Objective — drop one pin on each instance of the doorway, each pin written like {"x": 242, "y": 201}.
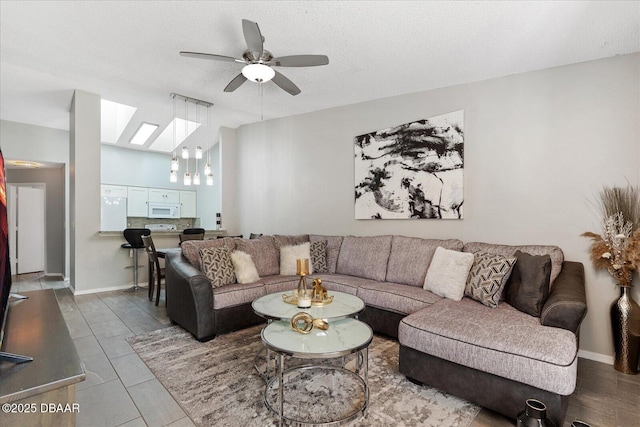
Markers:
{"x": 27, "y": 227}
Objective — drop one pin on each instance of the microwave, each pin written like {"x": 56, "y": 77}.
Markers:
{"x": 164, "y": 210}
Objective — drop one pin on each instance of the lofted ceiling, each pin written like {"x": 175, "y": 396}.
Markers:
{"x": 127, "y": 51}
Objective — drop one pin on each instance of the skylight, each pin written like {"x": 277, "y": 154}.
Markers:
{"x": 143, "y": 133}
{"x": 114, "y": 119}
{"x": 164, "y": 142}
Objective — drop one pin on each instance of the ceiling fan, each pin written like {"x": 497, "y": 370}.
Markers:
{"x": 259, "y": 61}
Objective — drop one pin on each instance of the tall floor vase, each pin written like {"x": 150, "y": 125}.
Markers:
{"x": 625, "y": 322}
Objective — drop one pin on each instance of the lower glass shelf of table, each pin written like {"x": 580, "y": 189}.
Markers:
{"x": 327, "y": 380}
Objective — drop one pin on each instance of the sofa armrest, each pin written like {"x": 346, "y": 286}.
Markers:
{"x": 567, "y": 303}
{"x": 189, "y": 296}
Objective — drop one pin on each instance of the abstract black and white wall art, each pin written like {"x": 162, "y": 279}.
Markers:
{"x": 414, "y": 170}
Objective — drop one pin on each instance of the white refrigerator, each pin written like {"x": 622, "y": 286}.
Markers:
{"x": 113, "y": 213}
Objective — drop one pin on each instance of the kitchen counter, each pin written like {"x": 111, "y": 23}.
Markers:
{"x": 207, "y": 233}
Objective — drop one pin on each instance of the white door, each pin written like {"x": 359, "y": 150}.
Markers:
{"x": 30, "y": 225}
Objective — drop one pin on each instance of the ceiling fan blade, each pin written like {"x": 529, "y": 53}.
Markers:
{"x": 210, "y": 56}
{"x": 300, "y": 61}
{"x": 235, "y": 83}
{"x": 252, "y": 36}
{"x": 286, "y": 84}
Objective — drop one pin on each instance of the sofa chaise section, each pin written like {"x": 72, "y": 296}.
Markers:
{"x": 499, "y": 357}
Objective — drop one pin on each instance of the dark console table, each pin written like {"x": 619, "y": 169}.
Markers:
{"x": 41, "y": 392}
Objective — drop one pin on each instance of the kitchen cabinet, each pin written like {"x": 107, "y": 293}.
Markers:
{"x": 163, "y": 195}
{"x": 187, "y": 204}
{"x": 137, "y": 201}
{"x": 107, "y": 190}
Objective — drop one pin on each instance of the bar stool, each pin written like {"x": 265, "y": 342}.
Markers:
{"x": 156, "y": 273}
{"x": 191, "y": 234}
{"x": 133, "y": 236}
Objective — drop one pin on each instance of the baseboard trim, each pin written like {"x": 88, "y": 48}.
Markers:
{"x": 98, "y": 290}
{"x": 597, "y": 357}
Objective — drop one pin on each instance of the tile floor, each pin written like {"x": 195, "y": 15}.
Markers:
{"x": 121, "y": 391}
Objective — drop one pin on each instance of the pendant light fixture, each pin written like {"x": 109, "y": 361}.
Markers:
{"x": 185, "y": 149}
{"x": 207, "y": 168}
{"x": 173, "y": 175}
{"x": 196, "y": 174}
{"x": 189, "y": 178}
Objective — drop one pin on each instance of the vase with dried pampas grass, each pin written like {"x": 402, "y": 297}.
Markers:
{"x": 617, "y": 249}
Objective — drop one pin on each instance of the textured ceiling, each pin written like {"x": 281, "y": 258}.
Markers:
{"x": 127, "y": 51}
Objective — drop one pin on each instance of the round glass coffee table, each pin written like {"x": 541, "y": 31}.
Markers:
{"x": 272, "y": 307}
{"x": 322, "y": 394}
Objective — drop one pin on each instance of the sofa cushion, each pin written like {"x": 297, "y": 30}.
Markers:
{"x": 341, "y": 282}
{"x": 217, "y": 266}
{"x": 243, "y": 267}
{"x": 333, "y": 249}
{"x": 284, "y": 284}
{"x": 289, "y": 255}
{"x": 364, "y": 257}
{"x": 557, "y": 257}
{"x": 501, "y": 341}
{"x": 395, "y": 297}
{"x": 264, "y": 254}
{"x": 286, "y": 240}
{"x": 318, "y": 252}
{"x": 487, "y": 277}
{"x": 447, "y": 274}
{"x": 410, "y": 258}
{"x": 191, "y": 248}
{"x": 529, "y": 287}
{"x": 237, "y": 294}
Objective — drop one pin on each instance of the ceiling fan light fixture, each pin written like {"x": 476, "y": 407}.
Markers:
{"x": 258, "y": 73}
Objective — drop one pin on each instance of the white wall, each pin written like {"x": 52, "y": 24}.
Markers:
{"x": 538, "y": 146}
{"x": 35, "y": 143}
{"x": 229, "y": 177}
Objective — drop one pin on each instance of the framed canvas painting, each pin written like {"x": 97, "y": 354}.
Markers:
{"x": 411, "y": 171}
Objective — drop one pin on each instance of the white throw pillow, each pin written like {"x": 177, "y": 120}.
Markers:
{"x": 244, "y": 267}
{"x": 290, "y": 254}
{"x": 447, "y": 273}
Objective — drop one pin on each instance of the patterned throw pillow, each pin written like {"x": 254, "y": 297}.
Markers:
{"x": 489, "y": 273}
{"x": 217, "y": 266}
{"x": 319, "y": 256}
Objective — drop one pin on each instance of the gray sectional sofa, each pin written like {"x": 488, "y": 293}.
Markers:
{"x": 497, "y": 357}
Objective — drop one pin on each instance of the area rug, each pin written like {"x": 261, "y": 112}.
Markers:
{"x": 216, "y": 383}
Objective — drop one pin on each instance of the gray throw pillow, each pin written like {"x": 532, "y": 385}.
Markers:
{"x": 488, "y": 276}
{"x": 528, "y": 288}
{"x": 319, "y": 256}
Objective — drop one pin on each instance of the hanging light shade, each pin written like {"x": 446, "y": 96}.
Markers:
{"x": 209, "y": 179}
{"x": 196, "y": 178}
{"x": 198, "y": 152}
{"x": 187, "y": 179}
{"x": 173, "y": 175}
{"x": 185, "y": 152}
{"x": 258, "y": 73}
{"x": 207, "y": 169}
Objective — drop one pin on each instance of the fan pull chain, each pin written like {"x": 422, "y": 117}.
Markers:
{"x": 261, "y": 102}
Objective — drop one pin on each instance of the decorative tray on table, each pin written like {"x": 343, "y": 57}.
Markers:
{"x": 319, "y": 295}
